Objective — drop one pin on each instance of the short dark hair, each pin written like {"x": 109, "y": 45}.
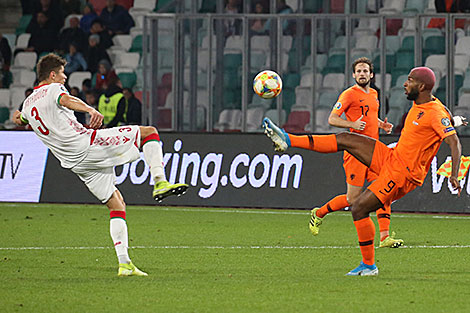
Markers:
{"x": 363, "y": 60}
{"x": 48, "y": 63}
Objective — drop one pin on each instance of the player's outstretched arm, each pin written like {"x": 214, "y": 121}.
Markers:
{"x": 76, "y": 104}
{"x": 385, "y": 125}
{"x": 456, "y": 151}
{"x": 18, "y": 119}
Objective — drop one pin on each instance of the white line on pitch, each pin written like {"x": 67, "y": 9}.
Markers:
{"x": 228, "y": 247}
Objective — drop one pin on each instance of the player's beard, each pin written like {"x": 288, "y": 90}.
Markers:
{"x": 363, "y": 84}
{"x": 413, "y": 94}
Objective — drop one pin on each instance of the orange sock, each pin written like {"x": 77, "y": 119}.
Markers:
{"x": 335, "y": 204}
{"x": 383, "y": 218}
{"x": 365, "y": 232}
{"x": 319, "y": 143}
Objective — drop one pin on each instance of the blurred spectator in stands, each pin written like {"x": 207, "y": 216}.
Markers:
{"x": 94, "y": 54}
{"x": 105, "y": 75}
{"x": 257, "y": 25}
{"x": 6, "y": 77}
{"x": 134, "y": 108}
{"x": 449, "y": 6}
{"x": 282, "y": 8}
{"x": 75, "y": 60}
{"x": 51, "y": 8}
{"x": 86, "y": 86}
{"x": 70, "y": 7}
{"x": 232, "y": 26}
{"x": 116, "y": 18}
{"x": 72, "y": 34}
{"x": 89, "y": 16}
{"x": 5, "y": 52}
{"x": 112, "y": 104}
{"x": 97, "y": 28}
{"x": 91, "y": 98}
{"x": 27, "y": 7}
{"x": 44, "y": 36}
{"x": 81, "y": 116}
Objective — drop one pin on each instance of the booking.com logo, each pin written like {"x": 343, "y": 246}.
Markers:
{"x": 208, "y": 169}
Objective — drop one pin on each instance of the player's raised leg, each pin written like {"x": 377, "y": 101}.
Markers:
{"x": 153, "y": 154}
{"x": 118, "y": 231}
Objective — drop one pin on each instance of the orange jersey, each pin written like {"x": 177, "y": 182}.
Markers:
{"x": 354, "y": 102}
{"x": 426, "y": 126}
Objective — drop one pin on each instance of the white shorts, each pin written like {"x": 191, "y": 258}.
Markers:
{"x": 111, "y": 147}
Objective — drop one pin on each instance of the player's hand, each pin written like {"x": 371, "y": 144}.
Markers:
{"x": 387, "y": 126}
{"x": 455, "y": 184}
{"x": 359, "y": 124}
{"x": 460, "y": 121}
{"x": 96, "y": 119}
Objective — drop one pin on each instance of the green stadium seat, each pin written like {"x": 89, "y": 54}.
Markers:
{"x": 128, "y": 80}
{"x": 312, "y": 6}
{"x": 335, "y": 64}
{"x": 434, "y": 45}
{"x": 408, "y": 44}
{"x": 208, "y": 6}
{"x": 390, "y": 62}
{"x": 23, "y": 24}
{"x": 162, "y": 4}
{"x": 4, "y": 114}
{"x": 291, "y": 80}
{"x": 232, "y": 61}
{"x": 136, "y": 44}
{"x": 288, "y": 98}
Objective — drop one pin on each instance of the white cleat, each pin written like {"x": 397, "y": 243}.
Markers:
{"x": 278, "y": 136}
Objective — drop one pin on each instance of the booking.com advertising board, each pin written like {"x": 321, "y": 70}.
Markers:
{"x": 226, "y": 170}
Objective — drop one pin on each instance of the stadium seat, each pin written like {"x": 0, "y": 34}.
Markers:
{"x": 273, "y": 115}
{"x": 296, "y": 121}
{"x": 11, "y": 40}
{"x": 333, "y": 81}
{"x": 24, "y": 77}
{"x": 434, "y": 45}
{"x": 438, "y": 62}
{"x": 4, "y": 115}
{"x": 234, "y": 44}
{"x": 321, "y": 119}
{"x": 303, "y": 96}
{"x": 367, "y": 43}
{"x": 307, "y": 80}
{"x": 164, "y": 118}
{"x": 76, "y": 79}
{"x": 229, "y": 119}
{"x": 200, "y": 118}
{"x": 259, "y": 43}
{"x": 327, "y": 99}
{"x": 254, "y": 117}
{"x": 258, "y": 101}
{"x": 22, "y": 41}
{"x": 388, "y": 81}
{"x": 127, "y": 60}
{"x": 4, "y": 97}
{"x": 392, "y": 7}
{"x": 23, "y": 24}
{"x": 335, "y": 64}
{"x": 464, "y": 100}
{"x": 407, "y": 44}
{"x": 414, "y": 6}
{"x": 321, "y": 60}
{"x": 389, "y": 59}
{"x": 122, "y": 42}
{"x": 16, "y": 96}
{"x": 463, "y": 45}
{"x": 136, "y": 45}
{"x": 25, "y": 60}
{"x": 142, "y": 5}
{"x": 128, "y": 79}
{"x": 310, "y": 6}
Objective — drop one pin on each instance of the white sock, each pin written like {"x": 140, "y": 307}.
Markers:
{"x": 153, "y": 155}
{"x": 118, "y": 231}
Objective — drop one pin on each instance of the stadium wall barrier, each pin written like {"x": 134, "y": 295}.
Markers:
{"x": 227, "y": 170}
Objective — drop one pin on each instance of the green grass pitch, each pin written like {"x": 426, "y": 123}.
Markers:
{"x": 59, "y": 258}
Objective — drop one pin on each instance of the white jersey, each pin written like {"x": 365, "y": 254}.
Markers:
{"x": 56, "y": 125}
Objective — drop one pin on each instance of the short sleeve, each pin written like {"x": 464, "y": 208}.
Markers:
{"x": 342, "y": 104}
{"x": 442, "y": 124}
{"x": 57, "y": 91}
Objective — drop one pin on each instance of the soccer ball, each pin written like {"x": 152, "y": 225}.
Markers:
{"x": 267, "y": 84}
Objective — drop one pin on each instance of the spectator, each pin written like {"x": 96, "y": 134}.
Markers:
{"x": 5, "y": 52}
{"x": 116, "y": 19}
{"x": 6, "y": 77}
{"x": 72, "y": 34}
{"x": 257, "y": 25}
{"x": 81, "y": 116}
{"x": 75, "y": 60}
{"x": 232, "y": 26}
{"x": 449, "y": 6}
{"x": 44, "y": 36}
{"x": 51, "y": 8}
{"x": 97, "y": 28}
{"x": 105, "y": 75}
{"x": 70, "y": 6}
{"x": 91, "y": 98}
{"x": 86, "y": 86}
{"x": 112, "y": 104}
{"x": 27, "y": 7}
{"x": 282, "y": 8}
{"x": 94, "y": 54}
{"x": 134, "y": 107}
{"x": 89, "y": 16}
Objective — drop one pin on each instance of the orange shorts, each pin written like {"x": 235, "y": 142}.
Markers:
{"x": 356, "y": 172}
{"x": 392, "y": 182}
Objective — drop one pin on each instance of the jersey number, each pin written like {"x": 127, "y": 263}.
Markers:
{"x": 365, "y": 110}
{"x": 389, "y": 187}
{"x": 43, "y": 129}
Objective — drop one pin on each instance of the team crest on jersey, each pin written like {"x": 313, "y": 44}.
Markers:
{"x": 445, "y": 121}
{"x": 420, "y": 115}
{"x": 338, "y": 105}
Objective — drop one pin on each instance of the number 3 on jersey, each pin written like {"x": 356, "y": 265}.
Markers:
{"x": 43, "y": 129}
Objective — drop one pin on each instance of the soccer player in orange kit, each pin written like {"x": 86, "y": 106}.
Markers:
{"x": 360, "y": 105}
{"x": 400, "y": 169}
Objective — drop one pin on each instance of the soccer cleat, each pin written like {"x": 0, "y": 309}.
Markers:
{"x": 279, "y": 136}
{"x": 315, "y": 222}
{"x": 391, "y": 242}
{"x": 129, "y": 269}
{"x": 364, "y": 270}
{"x": 163, "y": 189}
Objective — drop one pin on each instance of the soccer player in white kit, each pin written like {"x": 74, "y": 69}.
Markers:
{"x": 93, "y": 153}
